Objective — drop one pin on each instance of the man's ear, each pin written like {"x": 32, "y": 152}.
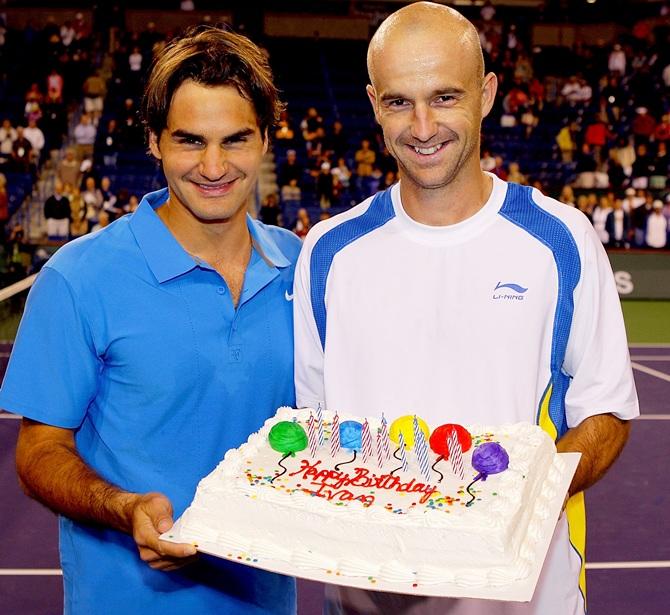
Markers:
{"x": 372, "y": 95}
{"x": 153, "y": 146}
{"x": 489, "y": 90}
{"x": 266, "y": 141}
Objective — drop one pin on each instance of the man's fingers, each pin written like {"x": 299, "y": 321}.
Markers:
{"x": 167, "y": 551}
{"x": 167, "y": 565}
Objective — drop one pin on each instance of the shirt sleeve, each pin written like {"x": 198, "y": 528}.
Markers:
{"x": 597, "y": 355}
{"x": 309, "y": 355}
{"x": 53, "y": 369}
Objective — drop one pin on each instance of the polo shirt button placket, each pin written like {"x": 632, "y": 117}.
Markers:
{"x": 221, "y": 290}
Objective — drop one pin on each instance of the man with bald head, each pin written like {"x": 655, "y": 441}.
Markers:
{"x": 459, "y": 297}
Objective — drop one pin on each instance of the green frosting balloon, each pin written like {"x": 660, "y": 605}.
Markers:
{"x": 287, "y": 437}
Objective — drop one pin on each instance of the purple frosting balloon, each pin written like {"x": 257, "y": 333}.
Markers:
{"x": 490, "y": 458}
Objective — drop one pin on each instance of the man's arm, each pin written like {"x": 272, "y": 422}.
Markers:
{"x": 51, "y": 471}
{"x": 600, "y": 439}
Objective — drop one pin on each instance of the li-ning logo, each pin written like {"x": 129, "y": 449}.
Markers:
{"x": 516, "y": 293}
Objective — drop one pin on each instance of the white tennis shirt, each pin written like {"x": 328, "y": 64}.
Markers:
{"x": 511, "y": 315}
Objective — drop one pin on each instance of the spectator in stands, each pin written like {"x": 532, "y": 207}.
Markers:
{"x": 34, "y": 100}
{"x": 656, "y": 233}
{"x": 616, "y": 62}
{"x": 624, "y": 154}
{"x": 310, "y": 125}
{"x": 499, "y": 169}
{"x": 109, "y": 199}
{"x": 638, "y": 219}
{"x": 342, "y": 174}
{"x": 19, "y": 254}
{"x": 284, "y": 133}
{"x": 55, "y": 86}
{"x": 34, "y": 134}
{"x": 661, "y": 168}
{"x": 388, "y": 180}
{"x": 133, "y": 203}
{"x": 567, "y": 196}
{"x": 84, "y": 136}
{"x": 617, "y": 226}
{"x": 529, "y": 119}
{"x": 515, "y": 175}
{"x": 643, "y": 125}
{"x": 269, "y": 212}
{"x": 599, "y": 218}
{"x": 143, "y": 294}
{"x": 365, "y": 158}
{"x": 67, "y": 33}
{"x": 566, "y": 141}
{"x": 583, "y": 205}
{"x": 325, "y": 186}
{"x": 487, "y": 161}
{"x": 302, "y": 224}
{"x": 78, "y": 222}
{"x": 22, "y": 153}
{"x": 290, "y": 169}
{"x": 316, "y": 148}
{"x": 576, "y": 91}
{"x": 109, "y": 144}
{"x": 92, "y": 198}
{"x": 7, "y": 137}
{"x": 103, "y": 221}
{"x": 612, "y": 99}
{"x": 597, "y": 135}
{"x": 643, "y": 167}
{"x": 291, "y": 193}
{"x": 54, "y": 124}
{"x": 585, "y": 168}
{"x": 662, "y": 130}
{"x": 131, "y": 131}
{"x": 135, "y": 69}
{"x": 68, "y": 170}
{"x": 94, "y": 90}
{"x": 57, "y": 213}
{"x": 336, "y": 143}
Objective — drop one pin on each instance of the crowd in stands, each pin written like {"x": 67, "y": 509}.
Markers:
{"x": 589, "y": 125}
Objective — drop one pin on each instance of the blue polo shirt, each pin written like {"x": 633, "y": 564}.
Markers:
{"x": 138, "y": 348}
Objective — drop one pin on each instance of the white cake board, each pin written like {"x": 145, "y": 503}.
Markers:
{"x": 517, "y": 591}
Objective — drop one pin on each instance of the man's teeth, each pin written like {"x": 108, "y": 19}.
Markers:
{"x": 426, "y": 151}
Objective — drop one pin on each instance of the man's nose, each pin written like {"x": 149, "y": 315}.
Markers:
{"x": 424, "y": 126}
{"x": 213, "y": 163}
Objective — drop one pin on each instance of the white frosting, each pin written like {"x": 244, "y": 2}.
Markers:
{"x": 395, "y": 537}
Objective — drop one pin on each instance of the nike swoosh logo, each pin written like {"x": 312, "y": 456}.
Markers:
{"x": 287, "y": 296}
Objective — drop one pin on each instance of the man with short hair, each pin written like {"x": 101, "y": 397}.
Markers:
{"x": 460, "y": 297}
{"x": 151, "y": 347}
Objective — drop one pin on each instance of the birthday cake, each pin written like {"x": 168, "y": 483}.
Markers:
{"x": 359, "y": 498}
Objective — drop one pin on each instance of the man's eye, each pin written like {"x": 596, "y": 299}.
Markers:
{"x": 397, "y": 102}
{"x": 188, "y": 141}
{"x": 445, "y": 98}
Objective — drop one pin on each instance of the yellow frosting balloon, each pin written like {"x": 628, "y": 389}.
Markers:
{"x": 405, "y": 424}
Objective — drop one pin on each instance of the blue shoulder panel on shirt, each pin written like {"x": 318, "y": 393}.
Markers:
{"x": 330, "y": 243}
{"x": 520, "y": 209}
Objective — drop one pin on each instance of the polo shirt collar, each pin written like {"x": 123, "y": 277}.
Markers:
{"x": 265, "y": 244}
{"x": 165, "y": 256}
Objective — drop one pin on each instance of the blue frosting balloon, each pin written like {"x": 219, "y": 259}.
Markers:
{"x": 490, "y": 458}
{"x": 350, "y": 435}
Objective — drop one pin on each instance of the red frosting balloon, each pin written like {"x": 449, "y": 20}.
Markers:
{"x": 438, "y": 439}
